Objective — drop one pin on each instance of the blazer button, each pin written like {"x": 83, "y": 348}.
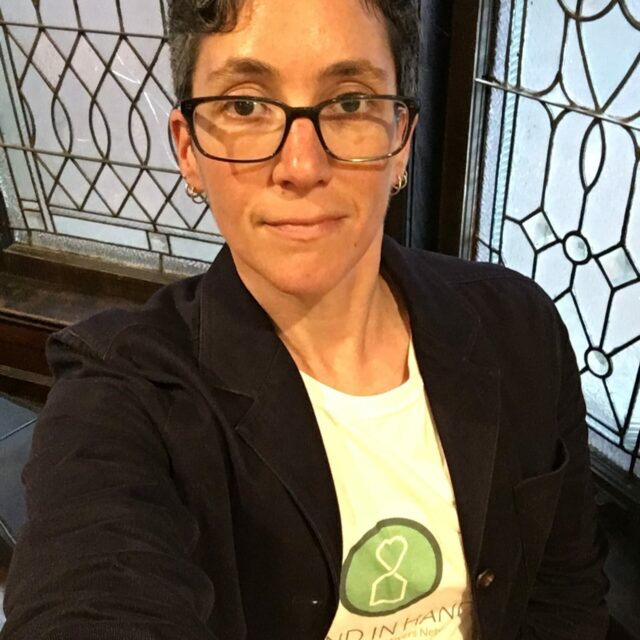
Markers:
{"x": 485, "y": 579}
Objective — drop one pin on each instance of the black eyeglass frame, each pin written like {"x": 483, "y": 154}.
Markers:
{"x": 188, "y": 107}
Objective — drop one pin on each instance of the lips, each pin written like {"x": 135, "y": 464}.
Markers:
{"x": 304, "y": 228}
{"x": 301, "y": 222}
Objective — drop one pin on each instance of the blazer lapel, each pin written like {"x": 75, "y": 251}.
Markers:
{"x": 464, "y": 395}
{"x": 465, "y": 404}
{"x": 245, "y": 357}
{"x": 282, "y": 429}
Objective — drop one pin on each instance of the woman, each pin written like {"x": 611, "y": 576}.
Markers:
{"x": 326, "y": 436}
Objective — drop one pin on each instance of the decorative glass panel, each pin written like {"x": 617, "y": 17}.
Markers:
{"x": 86, "y": 159}
{"x": 559, "y": 198}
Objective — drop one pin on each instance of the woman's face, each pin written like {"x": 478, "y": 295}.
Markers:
{"x": 301, "y": 222}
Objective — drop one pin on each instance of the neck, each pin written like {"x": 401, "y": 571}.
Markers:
{"x": 354, "y": 337}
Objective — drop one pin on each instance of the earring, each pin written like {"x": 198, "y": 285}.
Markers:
{"x": 195, "y": 196}
{"x": 402, "y": 182}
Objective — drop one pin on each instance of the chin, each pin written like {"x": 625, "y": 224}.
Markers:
{"x": 303, "y": 284}
{"x": 305, "y": 272}
{"x": 303, "y": 276}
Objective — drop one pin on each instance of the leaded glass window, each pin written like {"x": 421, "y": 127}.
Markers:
{"x": 86, "y": 160}
{"x": 558, "y": 197}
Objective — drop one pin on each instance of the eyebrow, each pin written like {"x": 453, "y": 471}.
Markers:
{"x": 235, "y": 67}
{"x": 251, "y": 67}
{"x": 358, "y": 68}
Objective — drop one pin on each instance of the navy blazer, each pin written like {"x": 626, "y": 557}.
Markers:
{"x": 178, "y": 486}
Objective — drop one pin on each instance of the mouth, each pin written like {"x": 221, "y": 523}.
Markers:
{"x": 304, "y": 228}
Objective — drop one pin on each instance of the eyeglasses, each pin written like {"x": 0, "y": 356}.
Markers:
{"x": 352, "y": 128}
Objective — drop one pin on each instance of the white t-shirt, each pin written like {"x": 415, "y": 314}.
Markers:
{"x": 404, "y": 573}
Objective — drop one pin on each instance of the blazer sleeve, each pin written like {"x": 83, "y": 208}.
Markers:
{"x": 567, "y": 600}
{"x": 105, "y": 553}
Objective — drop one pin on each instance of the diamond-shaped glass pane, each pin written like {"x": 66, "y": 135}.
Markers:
{"x": 568, "y": 160}
{"x": 89, "y": 94}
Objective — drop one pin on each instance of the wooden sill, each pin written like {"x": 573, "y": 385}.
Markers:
{"x": 620, "y": 486}
{"x": 43, "y": 291}
{"x": 78, "y": 274}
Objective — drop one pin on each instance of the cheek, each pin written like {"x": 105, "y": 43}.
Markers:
{"x": 234, "y": 190}
{"x": 372, "y": 193}
{"x": 230, "y": 191}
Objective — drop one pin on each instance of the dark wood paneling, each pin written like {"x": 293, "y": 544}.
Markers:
{"x": 22, "y": 346}
{"x": 76, "y": 273}
{"x": 24, "y": 372}
{"x": 458, "y": 140}
{"x": 42, "y": 292}
{"x": 426, "y": 166}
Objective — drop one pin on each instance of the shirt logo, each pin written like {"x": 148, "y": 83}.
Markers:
{"x": 393, "y": 565}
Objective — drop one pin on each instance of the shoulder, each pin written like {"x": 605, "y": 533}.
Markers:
{"x": 481, "y": 284}
{"x": 459, "y": 271}
{"x": 171, "y": 317}
{"x": 511, "y": 310}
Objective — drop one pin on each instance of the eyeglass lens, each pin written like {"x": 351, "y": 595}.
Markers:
{"x": 353, "y": 128}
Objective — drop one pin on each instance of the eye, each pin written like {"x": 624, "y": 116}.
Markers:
{"x": 243, "y": 107}
{"x": 351, "y": 105}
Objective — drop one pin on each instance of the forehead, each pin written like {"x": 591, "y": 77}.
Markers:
{"x": 300, "y": 39}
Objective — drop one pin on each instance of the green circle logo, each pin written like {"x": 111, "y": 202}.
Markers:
{"x": 395, "y": 564}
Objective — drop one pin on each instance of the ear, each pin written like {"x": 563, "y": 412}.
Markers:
{"x": 185, "y": 150}
{"x": 402, "y": 159}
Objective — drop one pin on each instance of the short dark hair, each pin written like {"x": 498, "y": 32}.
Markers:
{"x": 191, "y": 20}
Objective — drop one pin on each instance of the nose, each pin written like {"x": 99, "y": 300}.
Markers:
{"x": 302, "y": 162}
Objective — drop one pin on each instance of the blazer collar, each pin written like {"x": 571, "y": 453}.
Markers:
{"x": 234, "y": 329}
{"x": 461, "y": 377}
{"x": 237, "y": 338}
{"x": 244, "y": 356}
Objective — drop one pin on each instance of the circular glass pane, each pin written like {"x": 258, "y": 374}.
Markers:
{"x": 577, "y": 248}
